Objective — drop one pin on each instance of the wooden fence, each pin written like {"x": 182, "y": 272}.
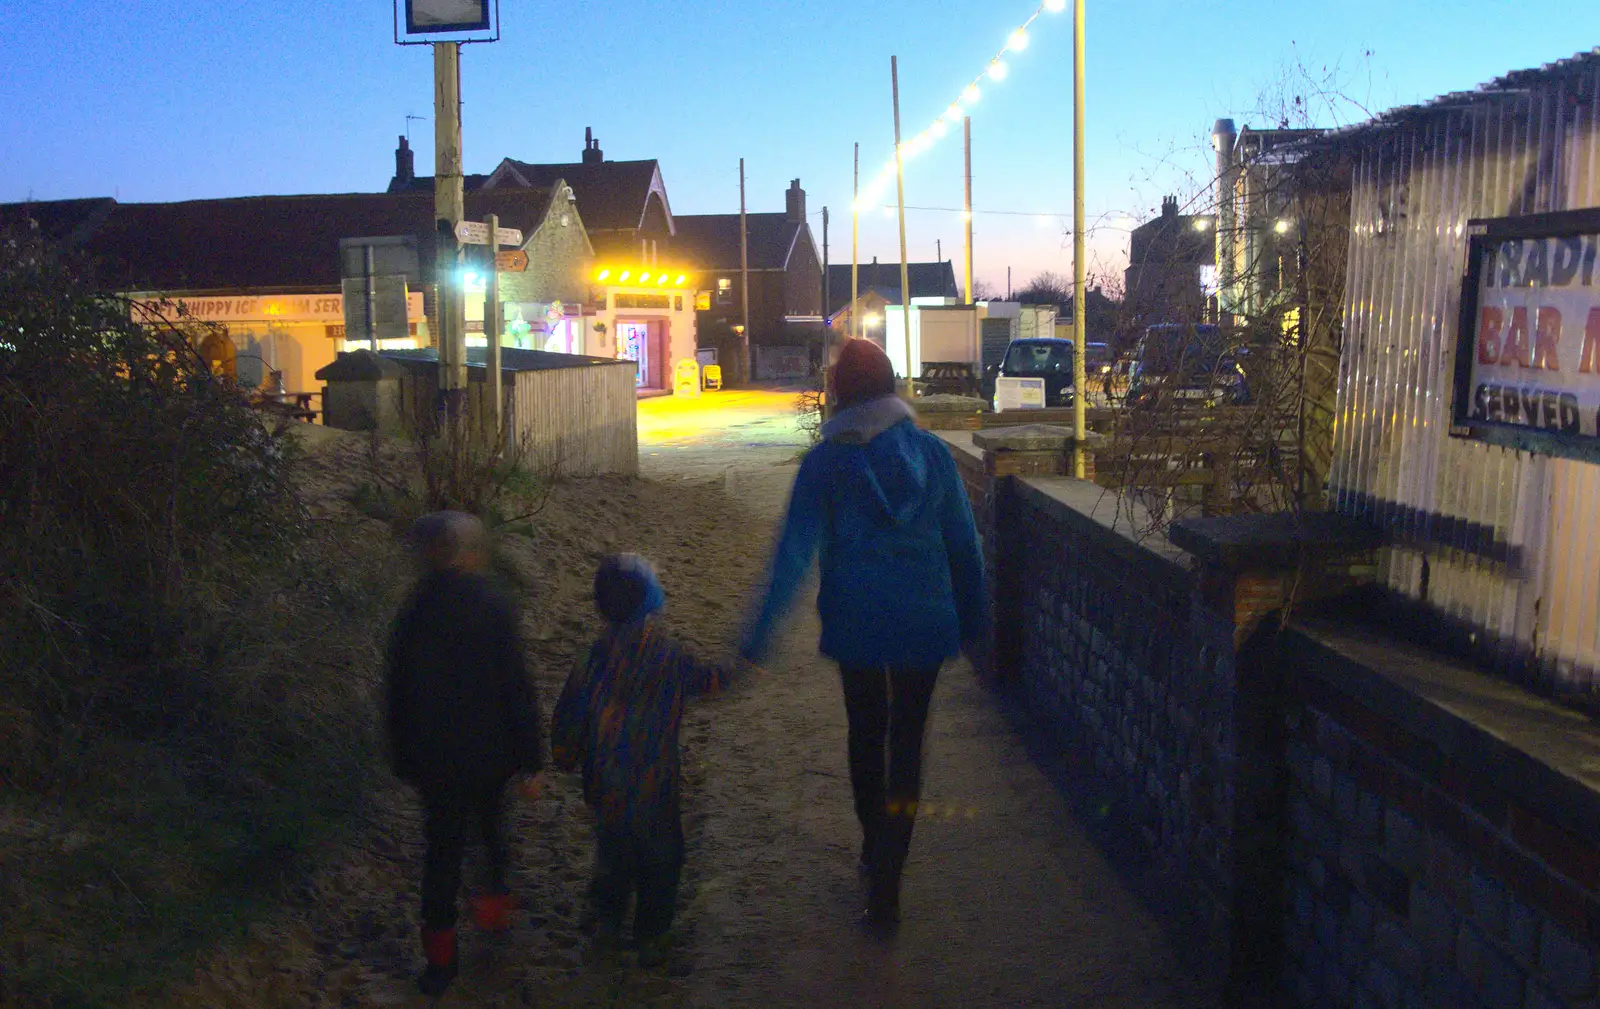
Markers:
{"x": 569, "y": 419}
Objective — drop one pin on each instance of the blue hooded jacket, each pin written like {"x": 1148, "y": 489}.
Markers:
{"x": 902, "y": 572}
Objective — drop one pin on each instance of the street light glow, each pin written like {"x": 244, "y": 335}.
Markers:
{"x": 1282, "y": 227}
{"x": 970, "y": 96}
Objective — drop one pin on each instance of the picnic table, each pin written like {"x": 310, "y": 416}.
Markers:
{"x": 290, "y": 405}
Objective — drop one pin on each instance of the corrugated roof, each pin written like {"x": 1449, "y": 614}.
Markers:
{"x": 265, "y": 242}
{"x": 1507, "y": 85}
{"x": 711, "y": 241}
{"x": 511, "y": 359}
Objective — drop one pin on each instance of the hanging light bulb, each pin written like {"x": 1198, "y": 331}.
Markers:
{"x": 970, "y": 96}
{"x": 998, "y": 70}
{"x": 1055, "y": 6}
{"x": 940, "y": 128}
{"x": 1018, "y": 40}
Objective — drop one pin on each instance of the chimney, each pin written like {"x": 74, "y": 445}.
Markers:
{"x": 592, "y": 155}
{"x": 1224, "y": 138}
{"x": 1169, "y": 206}
{"x": 796, "y": 203}
{"x": 405, "y": 163}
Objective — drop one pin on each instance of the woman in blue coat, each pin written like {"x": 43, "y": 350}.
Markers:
{"x": 902, "y": 591}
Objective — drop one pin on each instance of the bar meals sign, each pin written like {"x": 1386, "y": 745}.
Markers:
{"x": 1528, "y": 360}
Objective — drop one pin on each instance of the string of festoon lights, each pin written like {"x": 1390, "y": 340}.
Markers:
{"x": 996, "y": 71}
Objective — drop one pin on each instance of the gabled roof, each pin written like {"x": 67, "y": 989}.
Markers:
{"x": 60, "y": 222}
{"x": 267, "y": 242}
{"x": 612, "y": 195}
{"x": 928, "y": 280}
{"x": 711, "y": 241}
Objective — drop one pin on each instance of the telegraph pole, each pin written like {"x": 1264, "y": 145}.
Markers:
{"x": 1080, "y": 311}
{"x": 966, "y": 127}
{"x": 900, "y": 186}
{"x": 827, "y": 330}
{"x": 449, "y": 208}
{"x": 744, "y": 281}
{"x": 855, "y": 244}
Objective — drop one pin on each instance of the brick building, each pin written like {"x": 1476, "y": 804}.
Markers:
{"x": 1171, "y": 273}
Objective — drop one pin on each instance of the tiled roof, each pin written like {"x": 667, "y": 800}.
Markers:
{"x": 711, "y": 241}
{"x": 59, "y": 221}
{"x": 265, "y": 242}
{"x": 928, "y": 280}
{"x": 612, "y": 195}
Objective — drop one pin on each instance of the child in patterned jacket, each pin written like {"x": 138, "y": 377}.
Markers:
{"x": 618, "y": 721}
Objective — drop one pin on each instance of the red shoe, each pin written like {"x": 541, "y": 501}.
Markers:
{"x": 491, "y": 912}
{"x": 439, "y": 946}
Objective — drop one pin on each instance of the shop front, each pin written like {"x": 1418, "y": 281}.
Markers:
{"x": 646, "y": 315}
{"x": 291, "y": 336}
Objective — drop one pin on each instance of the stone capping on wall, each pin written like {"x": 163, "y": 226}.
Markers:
{"x": 1519, "y": 753}
{"x": 1282, "y": 540}
{"x": 1091, "y": 508}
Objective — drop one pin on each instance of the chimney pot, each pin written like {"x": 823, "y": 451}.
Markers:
{"x": 405, "y": 163}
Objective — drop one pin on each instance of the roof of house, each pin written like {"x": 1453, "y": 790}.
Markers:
{"x": 265, "y": 242}
{"x": 928, "y": 280}
{"x": 424, "y": 183}
{"x": 711, "y": 241}
{"x": 1174, "y": 238}
{"x": 611, "y": 195}
{"x": 65, "y": 222}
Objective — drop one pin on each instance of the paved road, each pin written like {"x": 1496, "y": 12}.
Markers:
{"x": 1007, "y": 902}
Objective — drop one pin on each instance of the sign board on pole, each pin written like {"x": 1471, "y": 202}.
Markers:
{"x": 477, "y": 233}
{"x": 1528, "y": 356}
{"x": 515, "y": 261}
{"x": 436, "y": 16}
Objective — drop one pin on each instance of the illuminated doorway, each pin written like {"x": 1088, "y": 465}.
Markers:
{"x": 633, "y": 344}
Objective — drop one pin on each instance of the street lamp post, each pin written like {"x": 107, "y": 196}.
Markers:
{"x": 1079, "y": 309}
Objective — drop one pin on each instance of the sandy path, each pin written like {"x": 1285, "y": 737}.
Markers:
{"x": 1007, "y": 903}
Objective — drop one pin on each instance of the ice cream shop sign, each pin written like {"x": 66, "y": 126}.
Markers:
{"x": 280, "y": 308}
{"x": 1528, "y": 361}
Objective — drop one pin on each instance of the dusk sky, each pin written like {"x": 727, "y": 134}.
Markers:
{"x": 152, "y": 101}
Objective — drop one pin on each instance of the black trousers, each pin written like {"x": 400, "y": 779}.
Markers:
{"x": 647, "y": 865}
{"x": 455, "y": 816}
{"x": 888, "y": 713}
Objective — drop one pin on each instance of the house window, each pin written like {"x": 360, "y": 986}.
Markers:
{"x": 724, "y": 290}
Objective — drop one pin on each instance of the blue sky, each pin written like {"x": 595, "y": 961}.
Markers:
{"x": 157, "y": 101}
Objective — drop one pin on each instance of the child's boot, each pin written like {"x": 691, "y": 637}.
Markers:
{"x": 439, "y": 946}
{"x": 491, "y": 912}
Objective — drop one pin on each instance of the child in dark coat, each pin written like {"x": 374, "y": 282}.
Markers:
{"x": 618, "y": 720}
{"x": 463, "y": 719}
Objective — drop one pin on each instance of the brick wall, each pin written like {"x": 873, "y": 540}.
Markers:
{"x": 1432, "y": 862}
{"x": 558, "y": 262}
{"x": 1369, "y": 827}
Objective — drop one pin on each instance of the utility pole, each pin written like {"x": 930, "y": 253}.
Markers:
{"x": 491, "y": 324}
{"x": 449, "y": 208}
{"x": 1079, "y": 309}
{"x": 966, "y": 128}
{"x": 900, "y": 187}
{"x": 938, "y": 250}
{"x": 855, "y": 245}
{"x": 744, "y": 281}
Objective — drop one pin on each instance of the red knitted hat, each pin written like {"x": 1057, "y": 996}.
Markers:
{"x": 863, "y": 372}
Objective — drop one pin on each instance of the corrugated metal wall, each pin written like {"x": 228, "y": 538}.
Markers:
{"x": 1501, "y": 543}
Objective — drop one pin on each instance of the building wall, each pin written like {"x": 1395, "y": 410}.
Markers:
{"x": 1496, "y": 547}
{"x": 559, "y": 260}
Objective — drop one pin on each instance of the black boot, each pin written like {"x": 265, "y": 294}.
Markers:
{"x": 883, "y": 900}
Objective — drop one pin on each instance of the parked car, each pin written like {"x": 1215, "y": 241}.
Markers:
{"x": 1048, "y": 358}
{"x": 1188, "y": 364}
